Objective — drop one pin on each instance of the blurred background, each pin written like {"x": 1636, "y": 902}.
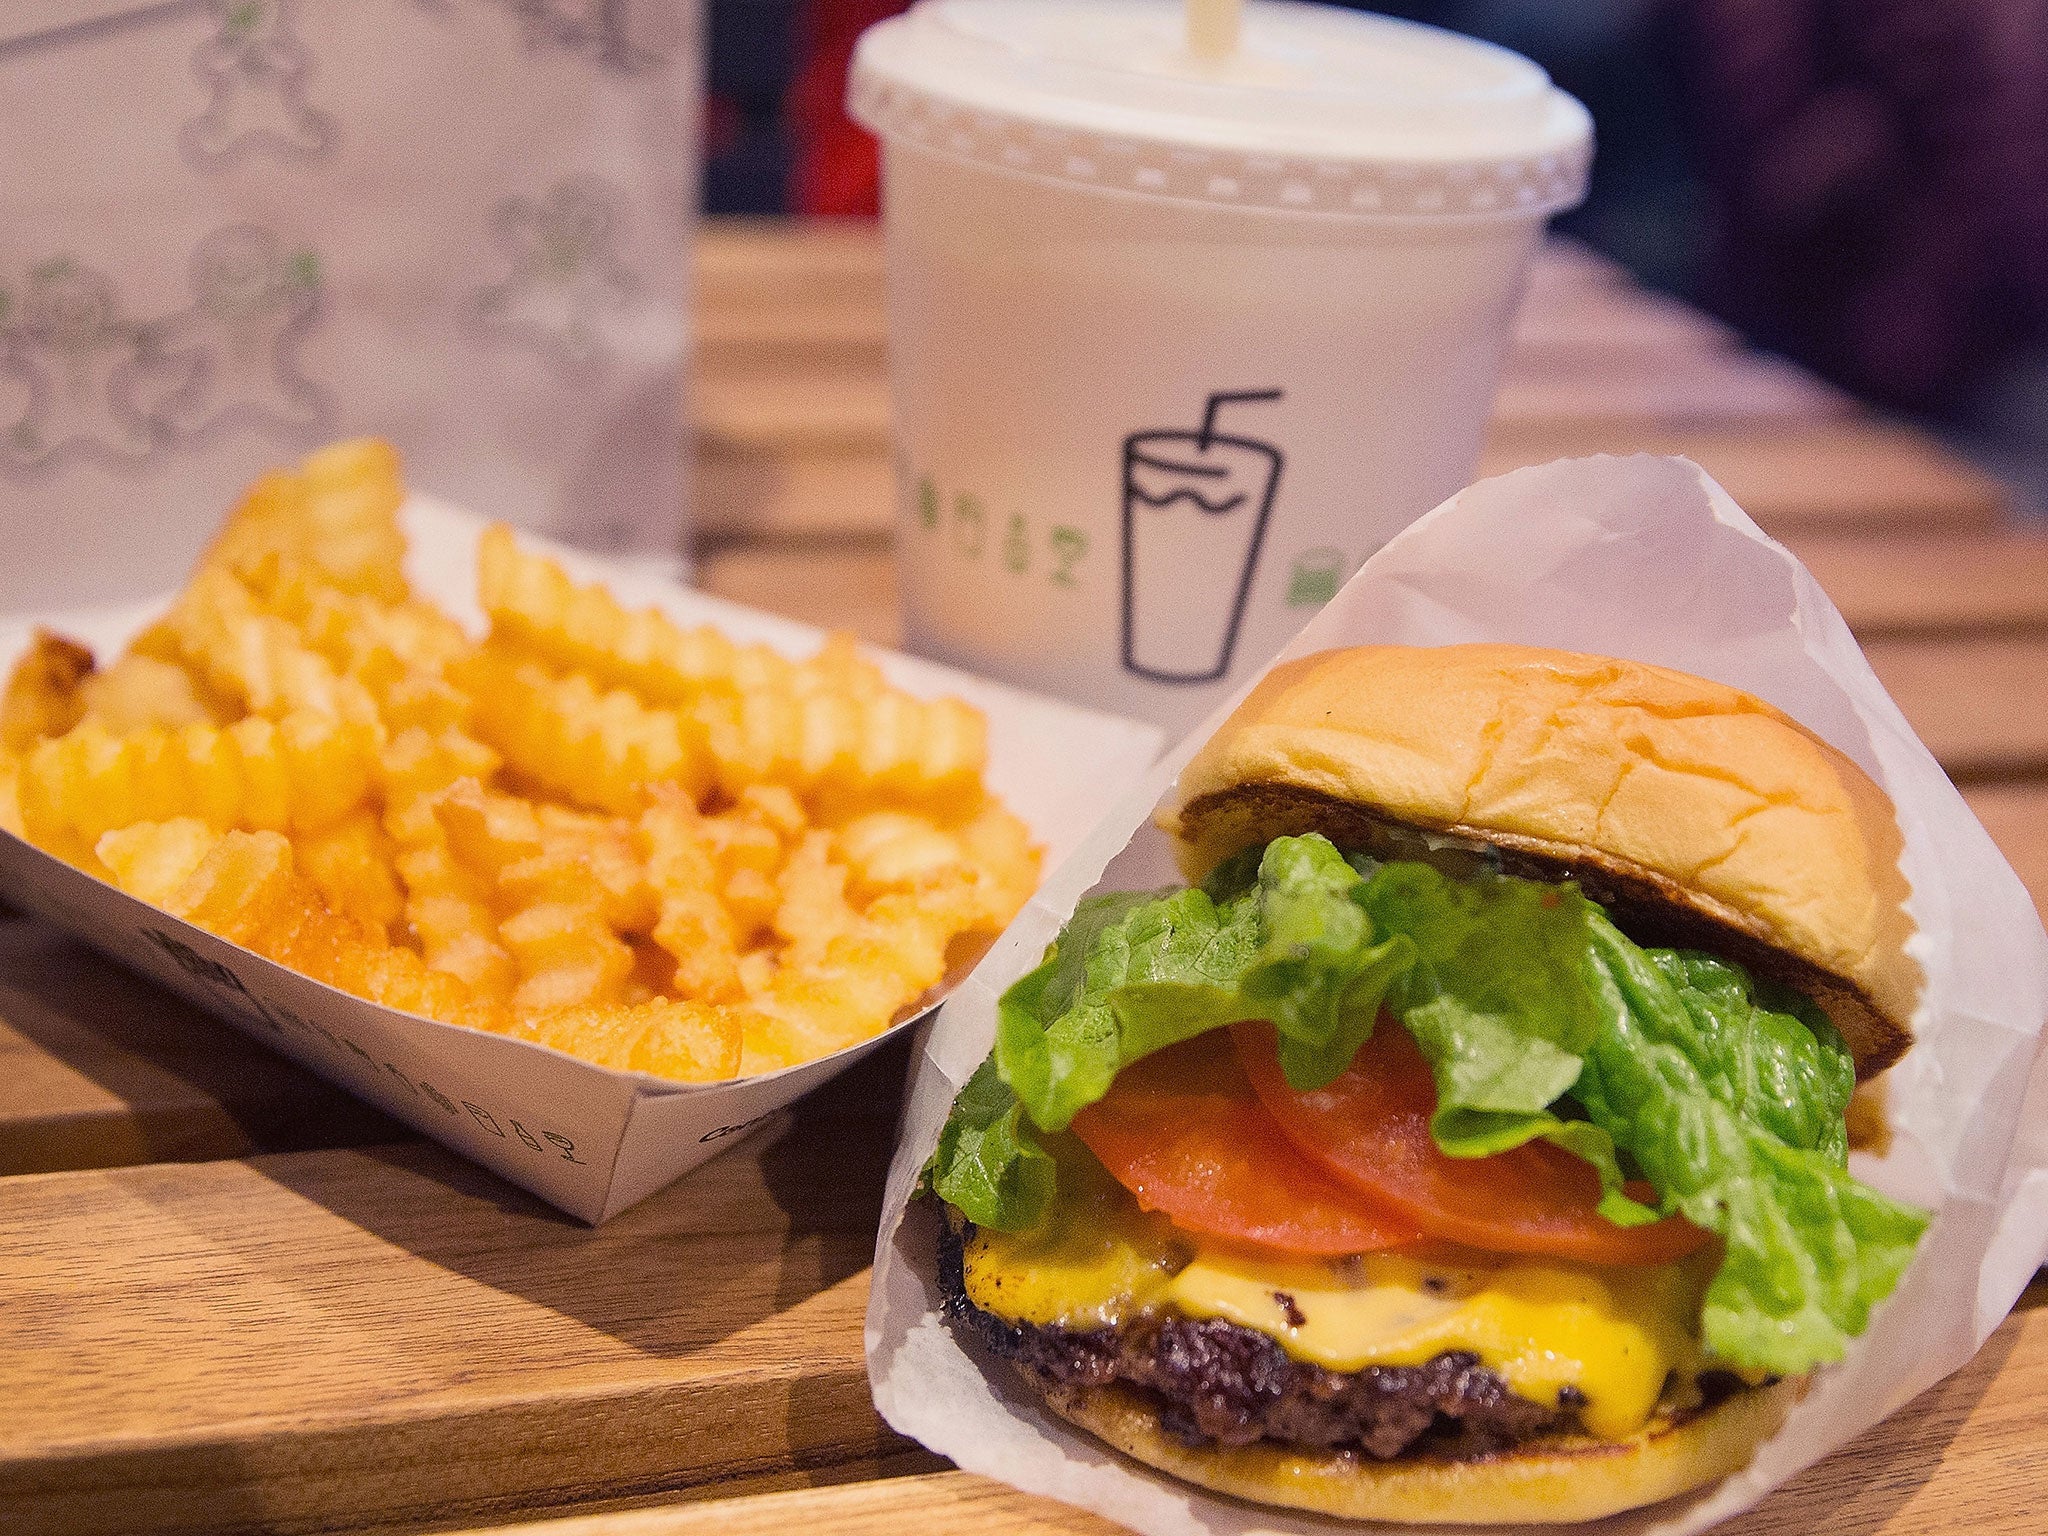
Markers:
{"x": 1861, "y": 185}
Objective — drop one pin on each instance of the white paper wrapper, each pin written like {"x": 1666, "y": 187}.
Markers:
{"x": 1648, "y": 559}
{"x": 585, "y": 1138}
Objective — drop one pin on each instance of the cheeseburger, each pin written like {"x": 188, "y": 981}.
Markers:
{"x": 1466, "y": 1142}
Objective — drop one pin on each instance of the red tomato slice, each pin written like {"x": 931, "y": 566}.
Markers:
{"x": 1184, "y": 1132}
{"x": 1369, "y": 1130}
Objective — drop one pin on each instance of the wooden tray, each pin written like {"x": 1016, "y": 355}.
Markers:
{"x": 234, "y": 1300}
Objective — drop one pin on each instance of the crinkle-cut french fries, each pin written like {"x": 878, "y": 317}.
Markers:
{"x": 831, "y": 722}
{"x": 880, "y": 962}
{"x": 10, "y": 795}
{"x": 43, "y": 693}
{"x": 593, "y": 828}
{"x": 534, "y": 606}
{"x": 257, "y": 659}
{"x": 670, "y": 1037}
{"x": 140, "y": 691}
{"x": 297, "y": 774}
{"x": 593, "y": 748}
{"x": 693, "y": 923}
{"x": 353, "y": 865}
{"x": 336, "y": 516}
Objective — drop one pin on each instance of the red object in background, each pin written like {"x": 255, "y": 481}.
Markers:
{"x": 838, "y": 169}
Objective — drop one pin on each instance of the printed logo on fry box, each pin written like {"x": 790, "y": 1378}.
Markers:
{"x": 590, "y": 1140}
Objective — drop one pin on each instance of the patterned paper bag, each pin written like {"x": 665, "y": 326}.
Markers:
{"x": 232, "y": 229}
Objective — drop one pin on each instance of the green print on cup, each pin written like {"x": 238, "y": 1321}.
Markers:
{"x": 970, "y": 525}
{"x": 1017, "y": 545}
{"x": 1068, "y": 546}
{"x": 1316, "y": 576}
{"x": 1064, "y": 549}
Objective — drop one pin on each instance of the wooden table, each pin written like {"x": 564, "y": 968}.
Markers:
{"x": 232, "y": 1299}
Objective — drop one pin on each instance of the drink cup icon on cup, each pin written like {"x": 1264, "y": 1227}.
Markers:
{"x": 1195, "y": 510}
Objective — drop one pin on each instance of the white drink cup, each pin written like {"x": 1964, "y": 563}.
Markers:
{"x": 1175, "y": 343}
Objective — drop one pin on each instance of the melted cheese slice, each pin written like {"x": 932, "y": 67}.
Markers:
{"x": 1094, "y": 1261}
{"x": 1615, "y": 1336}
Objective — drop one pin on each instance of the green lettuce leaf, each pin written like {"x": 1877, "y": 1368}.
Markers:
{"x": 1538, "y": 1019}
{"x": 1133, "y": 975}
{"x": 1766, "y": 1051}
{"x": 1498, "y": 1001}
{"x": 1320, "y": 972}
{"x": 987, "y": 1164}
{"x": 1487, "y": 972}
{"x": 1679, "y": 1076}
{"x": 1059, "y": 1040}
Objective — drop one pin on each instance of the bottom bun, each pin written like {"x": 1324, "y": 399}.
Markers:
{"x": 1547, "y": 1481}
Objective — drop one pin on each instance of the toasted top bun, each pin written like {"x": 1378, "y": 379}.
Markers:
{"x": 1697, "y": 813}
{"x": 1544, "y": 1482}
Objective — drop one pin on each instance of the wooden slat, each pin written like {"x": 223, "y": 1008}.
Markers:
{"x": 1967, "y": 1455}
{"x": 940, "y": 1503}
{"x": 2016, "y": 816}
{"x": 99, "y": 1068}
{"x": 759, "y": 312}
{"x": 381, "y": 1338}
{"x": 811, "y": 410}
{"x": 849, "y": 587}
{"x": 757, "y": 336}
{"x": 745, "y": 492}
{"x": 1932, "y": 583}
{"x": 1981, "y": 705}
{"x": 1849, "y": 474}
{"x": 1623, "y": 320}
{"x": 1661, "y": 391}
{"x": 737, "y": 257}
{"x": 776, "y": 293}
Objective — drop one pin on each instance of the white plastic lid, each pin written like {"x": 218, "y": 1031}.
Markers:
{"x": 1318, "y": 109}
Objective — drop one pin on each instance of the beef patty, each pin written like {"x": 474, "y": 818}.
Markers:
{"x": 1214, "y": 1381}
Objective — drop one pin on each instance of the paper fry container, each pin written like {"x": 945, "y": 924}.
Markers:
{"x": 585, "y": 1138}
{"x": 1648, "y": 559}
